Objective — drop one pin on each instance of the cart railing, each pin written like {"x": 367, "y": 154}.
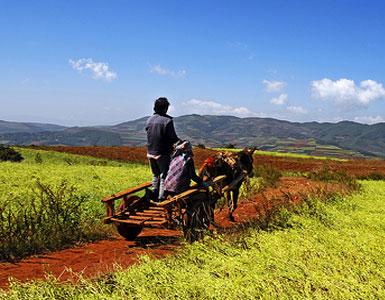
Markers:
{"x": 125, "y": 195}
{"x": 110, "y": 200}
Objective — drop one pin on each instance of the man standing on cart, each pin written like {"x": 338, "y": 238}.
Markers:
{"x": 161, "y": 136}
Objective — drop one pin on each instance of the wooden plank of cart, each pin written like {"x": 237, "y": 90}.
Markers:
{"x": 192, "y": 210}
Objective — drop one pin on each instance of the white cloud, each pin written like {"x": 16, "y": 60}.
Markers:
{"x": 296, "y": 110}
{"x": 157, "y": 69}
{"x": 280, "y": 100}
{"x": 369, "y": 119}
{"x": 344, "y": 92}
{"x": 274, "y": 86}
{"x": 206, "y": 107}
{"x": 99, "y": 70}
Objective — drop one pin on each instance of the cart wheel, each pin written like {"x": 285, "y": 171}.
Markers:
{"x": 127, "y": 231}
{"x": 126, "y": 202}
{"x": 197, "y": 219}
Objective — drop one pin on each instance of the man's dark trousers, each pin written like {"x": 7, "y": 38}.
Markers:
{"x": 159, "y": 168}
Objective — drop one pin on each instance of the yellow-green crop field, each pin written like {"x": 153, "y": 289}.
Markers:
{"x": 329, "y": 249}
{"x": 49, "y": 193}
{"x": 91, "y": 176}
{"x": 285, "y": 154}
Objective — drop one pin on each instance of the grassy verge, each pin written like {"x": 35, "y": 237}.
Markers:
{"x": 330, "y": 249}
{"x": 52, "y": 200}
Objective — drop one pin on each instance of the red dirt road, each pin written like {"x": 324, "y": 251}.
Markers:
{"x": 91, "y": 259}
{"x": 94, "y": 259}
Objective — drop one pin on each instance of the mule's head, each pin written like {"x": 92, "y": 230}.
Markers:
{"x": 246, "y": 160}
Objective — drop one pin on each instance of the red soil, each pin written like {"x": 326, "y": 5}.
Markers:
{"x": 356, "y": 167}
{"x": 92, "y": 260}
{"x": 291, "y": 190}
{"x": 129, "y": 154}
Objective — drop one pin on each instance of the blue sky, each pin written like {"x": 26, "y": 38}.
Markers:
{"x": 104, "y": 62}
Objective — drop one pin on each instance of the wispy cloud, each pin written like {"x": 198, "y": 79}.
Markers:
{"x": 345, "y": 93}
{"x": 280, "y": 100}
{"x": 298, "y": 110}
{"x": 273, "y": 86}
{"x": 207, "y": 107}
{"x": 158, "y": 69}
{"x": 98, "y": 70}
{"x": 369, "y": 119}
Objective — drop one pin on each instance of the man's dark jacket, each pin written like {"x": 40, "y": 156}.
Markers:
{"x": 160, "y": 134}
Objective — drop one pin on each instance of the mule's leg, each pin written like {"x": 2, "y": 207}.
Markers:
{"x": 235, "y": 199}
{"x": 233, "y": 204}
{"x": 230, "y": 202}
{"x": 228, "y": 199}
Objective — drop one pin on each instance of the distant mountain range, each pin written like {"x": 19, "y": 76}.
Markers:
{"x": 345, "y": 138}
{"x": 13, "y": 127}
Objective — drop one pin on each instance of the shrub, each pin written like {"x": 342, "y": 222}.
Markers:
{"x": 269, "y": 175}
{"x": 9, "y": 154}
{"x": 328, "y": 175}
{"x": 229, "y": 146}
{"x": 201, "y": 146}
{"x": 38, "y": 158}
{"x": 52, "y": 219}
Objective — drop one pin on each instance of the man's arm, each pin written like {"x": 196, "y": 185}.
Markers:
{"x": 170, "y": 132}
{"x": 193, "y": 175}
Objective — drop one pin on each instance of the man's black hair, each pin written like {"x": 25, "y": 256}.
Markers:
{"x": 161, "y": 105}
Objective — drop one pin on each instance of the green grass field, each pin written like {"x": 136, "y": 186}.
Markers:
{"x": 33, "y": 220}
{"x": 322, "y": 250}
{"x": 91, "y": 176}
{"x": 283, "y": 154}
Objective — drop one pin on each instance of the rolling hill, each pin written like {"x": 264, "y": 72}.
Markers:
{"x": 14, "y": 127}
{"x": 347, "y": 138}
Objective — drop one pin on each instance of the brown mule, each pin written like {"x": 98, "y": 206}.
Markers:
{"x": 235, "y": 165}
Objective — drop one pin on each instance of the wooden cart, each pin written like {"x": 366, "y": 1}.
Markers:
{"x": 192, "y": 210}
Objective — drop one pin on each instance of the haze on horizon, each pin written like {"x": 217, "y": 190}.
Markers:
{"x": 102, "y": 63}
